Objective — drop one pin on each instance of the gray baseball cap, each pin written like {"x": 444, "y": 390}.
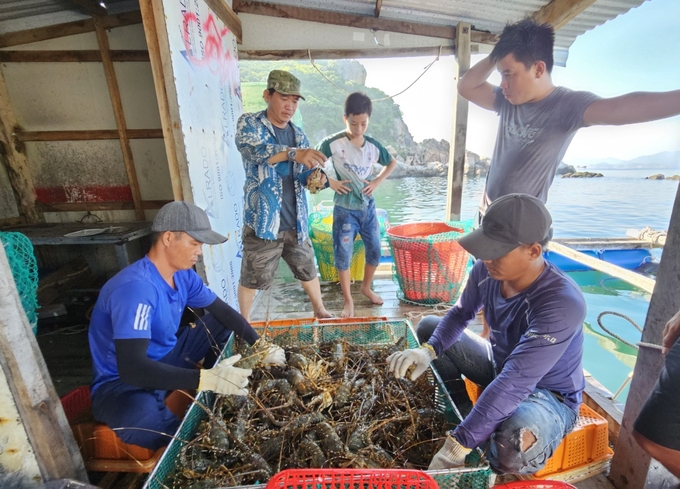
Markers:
{"x": 510, "y": 221}
{"x": 188, "y": 218}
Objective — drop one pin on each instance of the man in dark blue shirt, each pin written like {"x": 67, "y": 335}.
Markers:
{"x": 531, "y": 364}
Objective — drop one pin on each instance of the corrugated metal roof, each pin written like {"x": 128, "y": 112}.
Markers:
{"x": 17, "y": 15}
{"x": 484, "y": 15}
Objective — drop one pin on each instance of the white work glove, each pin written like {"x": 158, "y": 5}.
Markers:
{"x": 400, "y": 361}
{"x": 224, "y": 378}
{"x": 450, "y": 456}
{"x": 276, "y": 356}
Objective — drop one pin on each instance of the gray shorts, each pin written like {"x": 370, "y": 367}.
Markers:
{"x": 261, "y": 258}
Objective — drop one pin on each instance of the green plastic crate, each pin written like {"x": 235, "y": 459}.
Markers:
{"x": 378, "y": 333}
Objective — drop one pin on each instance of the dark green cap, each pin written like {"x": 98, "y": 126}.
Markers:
{"x": 284, "y": 82}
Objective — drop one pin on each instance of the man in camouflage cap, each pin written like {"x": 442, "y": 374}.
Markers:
{"x": 283, "y": 82}
{"x": 277, "y": 158}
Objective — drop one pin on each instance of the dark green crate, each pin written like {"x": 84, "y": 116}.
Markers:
{"x": 378, "y": 333}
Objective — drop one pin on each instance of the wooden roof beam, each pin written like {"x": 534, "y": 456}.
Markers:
{"x": 68, "y": 29}
{"x": 378, "y": 6}
{"x": 90, "y": 7}
{"x": 356, "y": 21}
{"x": 558, "y": 13}
{"x": 228, "y": 16}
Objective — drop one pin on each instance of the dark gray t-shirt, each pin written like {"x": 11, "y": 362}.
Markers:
{"x": 286, "y": 137}
{"x": 531, "y": 142}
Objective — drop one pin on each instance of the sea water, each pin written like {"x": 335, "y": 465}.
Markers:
{"x": 584, "y": 207}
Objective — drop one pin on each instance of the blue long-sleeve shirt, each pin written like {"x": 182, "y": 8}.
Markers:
{"x": 263, "y": 188}
{"x": 536, "y": 339}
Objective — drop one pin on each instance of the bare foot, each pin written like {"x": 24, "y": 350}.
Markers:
{"x": 324, "y": 314}
{"x": 348, "y": 310}
{"x": 375, "y": 298}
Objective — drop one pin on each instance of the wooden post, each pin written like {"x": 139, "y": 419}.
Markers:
{"x": 43, "y": 433}
{"x": 15, "y": 160}
{"x": 630, "y": 465}
{"x": 117, "y": 103}
{"x": 153, "y": 20}
{"x": 454, "y": 193}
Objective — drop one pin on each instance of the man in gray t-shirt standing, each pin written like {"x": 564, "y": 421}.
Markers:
{"x": 537, "y": 119}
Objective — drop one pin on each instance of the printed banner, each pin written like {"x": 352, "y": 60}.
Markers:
{"x": 205, "y": 67}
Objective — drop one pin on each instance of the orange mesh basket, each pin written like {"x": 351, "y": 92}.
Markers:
{"x": 429, "y": 264}
{"x": 351, "y": 479}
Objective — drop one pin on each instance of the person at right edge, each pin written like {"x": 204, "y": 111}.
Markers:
{"x": 657, "y": 427}
{"x": 531, "y": 364}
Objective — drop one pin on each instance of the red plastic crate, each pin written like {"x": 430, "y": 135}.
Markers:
{"x": 77, "y": 403}
{"x": 351, "y": 479}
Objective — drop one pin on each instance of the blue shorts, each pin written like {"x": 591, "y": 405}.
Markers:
{"x": 346, "y": 224}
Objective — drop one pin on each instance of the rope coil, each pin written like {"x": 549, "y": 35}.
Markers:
{"x": 613, "y": 335}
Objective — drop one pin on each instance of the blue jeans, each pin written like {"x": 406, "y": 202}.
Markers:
{"x": 346, "y": 224}
{"x": 140, "y": 416}
{"x": 542, "y": 413}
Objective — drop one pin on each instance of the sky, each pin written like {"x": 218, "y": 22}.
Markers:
{"x": 637, "y": 51}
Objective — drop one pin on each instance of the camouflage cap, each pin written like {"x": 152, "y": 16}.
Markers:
{"x": 284, "y": 82}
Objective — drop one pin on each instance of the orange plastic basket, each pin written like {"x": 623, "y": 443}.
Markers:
{"x": 102, "y": 450}
{"x": 351, "y": 479}
{"x": 352, "y": 320}
{"x": 430, "y": 265}
{"x": 587, "y": 444}
{"x": 284, "y": 322}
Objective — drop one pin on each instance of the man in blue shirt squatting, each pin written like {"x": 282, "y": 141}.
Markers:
{"x": 139, "y": 352}
{"x": 276, "y": 155}
{"x": 531, "y": 364}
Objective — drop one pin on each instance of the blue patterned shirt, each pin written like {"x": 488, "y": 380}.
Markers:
{"x": 263, "y": 190}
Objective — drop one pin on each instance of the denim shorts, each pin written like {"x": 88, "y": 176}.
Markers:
{"x": 346, "y": 224}
{"x": 542, "y": 413}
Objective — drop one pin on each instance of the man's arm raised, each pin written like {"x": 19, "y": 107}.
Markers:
{"x": 474, "y": 87}
{"x": 632, "y": 108}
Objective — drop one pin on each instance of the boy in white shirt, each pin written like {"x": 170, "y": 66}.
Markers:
{"x": 353, "y": 156}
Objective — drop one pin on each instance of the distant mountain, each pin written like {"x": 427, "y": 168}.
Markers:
{"x": 667, "y": 160}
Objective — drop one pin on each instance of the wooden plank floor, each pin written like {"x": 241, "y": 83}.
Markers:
{"x": 287, "y": 299}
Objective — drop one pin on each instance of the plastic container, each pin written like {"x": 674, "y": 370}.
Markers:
{"x": 587, "y": 444}
{"x": 352, "y": 320}
{"x": 322, "y": 242}
{"x": 77, "y": 404}
{"x": 478, "y": 476}
{"x": 351, "y": 478}
{"x": 284, "y": 322}
{"x": 429, "y": 264}
{"x": 321, "y": 235}
{"x": 100, "y": 447}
